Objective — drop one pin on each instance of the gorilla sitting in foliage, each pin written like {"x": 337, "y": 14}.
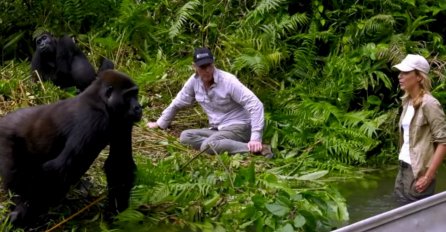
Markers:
{"x": 60, "y": 61}
{"x": 46, "y": 149}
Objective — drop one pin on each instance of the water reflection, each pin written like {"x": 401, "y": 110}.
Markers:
{"x": 372, "y": 194}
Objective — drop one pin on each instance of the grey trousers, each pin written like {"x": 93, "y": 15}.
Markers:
{"x": 405, "y": 191}
{"x": 232, "y": 139}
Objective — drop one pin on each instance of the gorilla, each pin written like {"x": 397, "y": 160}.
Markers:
{"x": 60, "y": 61}
{"x": 45, "y": 149}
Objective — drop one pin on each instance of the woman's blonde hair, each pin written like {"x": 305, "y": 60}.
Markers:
{"x": 425, "y": 85}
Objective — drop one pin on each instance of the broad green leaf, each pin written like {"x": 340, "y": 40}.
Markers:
{"x": 271, "y": 178}
{"x": 296, "y": 197}
{"x": 260, "y": 224}
{"x": 411, "y": 2}
{"x": 275, "y": 139}
{"x": 270, "y": 222}
{"x": 322, "y": 22}
{"x": 287, "y": 228}
{"x": 258, "y": 200}
{"x": 246, "y": 224}
{"x": 284, "y": 198}
{"x": 208, "y": 204}
{"x": 278, "y": 209}
{"x": 270, "y": 181}
{"x": 374, "y": 100}
{"x": 313, "y": 176}
{"x": 299, "y": 221}
{"x": 14, "y": 40}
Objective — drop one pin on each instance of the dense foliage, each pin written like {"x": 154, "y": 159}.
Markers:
{"x": 237, "y": 194}
{"x": 322, "y": 69}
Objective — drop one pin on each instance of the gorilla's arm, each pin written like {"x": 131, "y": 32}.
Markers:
{"x": 120, "y": 167}
{"x": 106, "y": 64}
{"x": 73, "y": 63}
{"x": 82, "y": 143}
{"x": 65, "y": 51}
{"x": 35, "y": 63}
{"x": 120, "y": 170}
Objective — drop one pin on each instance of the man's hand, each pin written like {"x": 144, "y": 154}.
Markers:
{"x": 152, "y": 125}
{"x": 255, "y": 146}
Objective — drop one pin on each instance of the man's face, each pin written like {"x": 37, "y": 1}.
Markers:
{"x": 205, "y": 72}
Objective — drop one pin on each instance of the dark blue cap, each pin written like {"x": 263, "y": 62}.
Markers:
{"x": 203, "y": 56}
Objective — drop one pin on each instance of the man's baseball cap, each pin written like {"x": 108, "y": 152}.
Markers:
{"x": 413, "y": 62}
{"x": 203, "y": 56}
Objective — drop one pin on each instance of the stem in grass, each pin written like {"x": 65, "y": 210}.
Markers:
{"x": 40, "y": 81}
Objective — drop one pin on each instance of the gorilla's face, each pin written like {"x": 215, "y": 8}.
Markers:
{"x": 121, "y": 96}
{"x": 45, "y": 43}
{"x": 134, "y": 110}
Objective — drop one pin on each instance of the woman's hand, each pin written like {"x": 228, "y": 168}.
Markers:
{"x": 422, "y": 183}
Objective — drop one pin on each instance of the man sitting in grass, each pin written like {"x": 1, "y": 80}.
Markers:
{"x": 235, "y": 113}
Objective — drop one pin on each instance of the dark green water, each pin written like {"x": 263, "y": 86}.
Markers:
{"x": 372, "y": 194}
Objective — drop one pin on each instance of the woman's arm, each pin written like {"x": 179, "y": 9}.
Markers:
{"x": 424, "y": 181}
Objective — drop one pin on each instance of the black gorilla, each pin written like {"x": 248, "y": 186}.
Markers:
{"x": 60, "y": 61}
{"x": 46, "y": 149}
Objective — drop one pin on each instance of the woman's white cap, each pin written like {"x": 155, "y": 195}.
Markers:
{"x": 413, "y": 62}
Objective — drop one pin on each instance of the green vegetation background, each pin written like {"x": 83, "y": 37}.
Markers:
{"x": 322, "y": 69}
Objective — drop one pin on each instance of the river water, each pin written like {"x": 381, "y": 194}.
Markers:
{"x": 372, "y": 194}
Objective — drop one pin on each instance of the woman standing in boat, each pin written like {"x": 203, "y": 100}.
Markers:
{"x": 422, "y": 129}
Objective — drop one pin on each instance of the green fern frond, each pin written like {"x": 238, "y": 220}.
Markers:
{"x": 293, "y": 22}
{"x": 184, "y": 14}
{"x": 275, "y": 58}
{"x": 377, "y": 24}
{"x": 190, "y": 191}
{"x": 287, "y": 24}
{"x": 270, "y": 30}
{"x": 320, "y": 111}
{"x": 353, "y": 118}
{"x": 251, "y": 39}
{"x": 381, "y": 76}
{"x": 345, "y": 150}
{"x": 73, "y": 11}
{"x": 419, "y": 21}
{"x": 371, "y": 127}
{"x": 265, "y": 7}
{"x": 253, "y": 61}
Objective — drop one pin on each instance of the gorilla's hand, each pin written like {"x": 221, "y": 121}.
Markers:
{"x": 54, "y": 166}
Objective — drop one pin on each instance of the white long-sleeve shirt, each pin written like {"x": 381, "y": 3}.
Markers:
{"x": 227, "y": 102}
{"x": 405, "y": 123}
